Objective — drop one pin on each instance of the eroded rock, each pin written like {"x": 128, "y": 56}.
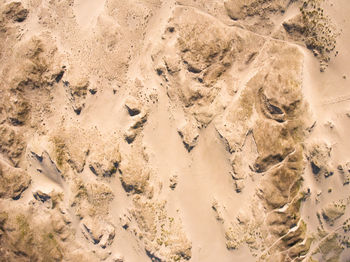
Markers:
{"x": 12, "y": 144}
{"x": 189, "y": 135}
{"x": 138, "y": 113}
{"x": 241, "y": 9}
{"x": 77, "y": 88}
{"x": 13, "y": 181}
{"x": 319, "y": 157}
{"x": 105, "y": 163}
{"x": 135, "y": 175}
{"x": 69, "y": 148}
{"x": 256, "y": 15}
{"x": 199, "y": 67}
{"x": 15, "y": 12}
{"x": 91, "y": 199}
{"x": 315, "y": 29}
{"x": 97, "y": 231}
{"x": 333, "y": 211}
{"x": 271, "y": 109}
{"x": 167, "y": 242}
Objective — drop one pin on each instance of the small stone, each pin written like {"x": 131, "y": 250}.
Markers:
{"x": 93, "y": 91}
{"x": 133, "y": 106}
{"x": 239, "y": 185}
{"x": 329, "y": 124}
{"x": 173, "y": 182}
{"x": 118, "y": 258}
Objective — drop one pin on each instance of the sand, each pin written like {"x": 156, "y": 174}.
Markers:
{"x": 174, "y": 130}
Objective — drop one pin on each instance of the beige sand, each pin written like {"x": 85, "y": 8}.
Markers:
{"x": 174, "y": 130}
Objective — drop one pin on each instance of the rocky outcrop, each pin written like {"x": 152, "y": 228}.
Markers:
{"x": 29, "y": 76}
{"x": 77, "y": 90}
{"x": 134, "y": 174}
{"x": 98, "y": 232}
{"x": 68, "y": 148}
{"x": 197, "y": 66}
{"x": 12, "y": 144}
{"x": 25, "y": 243}
{"x": 138, "y": 113}
{"x": 104, "y": 161}
{"x": 319, "y": 157}
{"x": 333, "y": 211}
{"x": 40, "y": 68}
{"x": 310, "y": 26}
{"x": 238, "y": 10}
{"x": 91, "y": 199}
{"x": 256, "y": 15}
{"x": 13, "y": 181}
{"x": 39, "y": 231}
{"x": 344, "y": 171}
{"x": 272, "y": 112}
{"x": 15, "y": 12}
{"x": 315, "y": 29}
{"x": 162, "y": 235}
{"x": 189, "y": 134}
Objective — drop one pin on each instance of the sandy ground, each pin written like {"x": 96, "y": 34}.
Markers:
{"x": 115, "y": 45}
